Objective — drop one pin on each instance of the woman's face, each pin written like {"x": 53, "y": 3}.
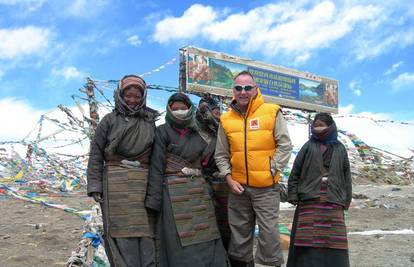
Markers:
{"x": 178, "y": 105}
{"x": 319, "y": 124}
{"x": 132, "y": 96}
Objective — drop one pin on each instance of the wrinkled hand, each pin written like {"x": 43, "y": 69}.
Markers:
{"x": 130, "y": 163}
{"x": 235, "y": 187}
{"x": 97, "y": 197}
{"x": 191, "y": 172}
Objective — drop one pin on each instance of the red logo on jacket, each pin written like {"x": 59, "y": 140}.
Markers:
{"x": 254, "y": 124}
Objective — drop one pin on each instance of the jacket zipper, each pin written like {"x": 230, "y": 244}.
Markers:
{"x": 245, "y": 149}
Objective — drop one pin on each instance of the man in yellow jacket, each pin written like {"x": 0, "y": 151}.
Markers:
{"x": 253, "y": 146}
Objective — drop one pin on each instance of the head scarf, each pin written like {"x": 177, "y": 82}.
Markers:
{"x": 329, "y": 135}
{"x": 204, "y": 115}
{"x": 133, "y": 80}
{"x": 210, "y": 101}
{"x": 141, "y": 110}
{"x": 189, "y": 120}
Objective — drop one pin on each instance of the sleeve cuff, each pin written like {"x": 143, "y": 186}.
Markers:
{"x": 97, "y": 189}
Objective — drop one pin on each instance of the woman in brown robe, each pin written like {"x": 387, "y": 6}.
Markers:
{"x": 187, "y": 227}
{"x": 117, "y": 175}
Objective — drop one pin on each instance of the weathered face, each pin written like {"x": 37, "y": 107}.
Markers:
{"x": 243, "y": 96}
{"x": 319, "y": 124}
{"x": 178, "y": 105}
{"x": 132, "y": 96}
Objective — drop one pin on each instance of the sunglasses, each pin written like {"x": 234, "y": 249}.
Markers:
{"x": 246, "y": 88}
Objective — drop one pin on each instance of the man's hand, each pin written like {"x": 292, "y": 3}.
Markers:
{"x": 235, "y": 187}
{"x": 97, "y": 197}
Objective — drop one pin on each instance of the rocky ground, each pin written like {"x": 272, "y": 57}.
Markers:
{"x": 33, "y": 235}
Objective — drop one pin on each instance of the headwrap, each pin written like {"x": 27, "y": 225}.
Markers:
{"x": 210, "y": 101}
{"x": 328, "y": 135}
{"x": 132, "y": 80}
{"x": 189, "y": 120}
{"x": 141, "y": 110}
{"x": 204, "y": 115}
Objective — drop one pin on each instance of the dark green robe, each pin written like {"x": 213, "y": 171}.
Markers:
{"x": 118, "y": 136}
{"x": 189, "y": 146}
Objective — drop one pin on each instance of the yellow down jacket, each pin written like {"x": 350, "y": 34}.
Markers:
{"x": 252, "y": 142}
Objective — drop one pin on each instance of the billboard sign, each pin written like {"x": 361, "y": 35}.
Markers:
{"x": 208, "y": 71}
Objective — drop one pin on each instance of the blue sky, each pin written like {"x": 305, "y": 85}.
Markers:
{"x": 47, "y": 48}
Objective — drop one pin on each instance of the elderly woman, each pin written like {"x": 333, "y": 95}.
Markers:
{"x": 117, "y": 175}
{"x": 320, "y": 184}
{"x": 187, "y": 228}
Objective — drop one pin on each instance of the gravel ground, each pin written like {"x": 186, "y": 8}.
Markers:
{"x": 33, "y": 235}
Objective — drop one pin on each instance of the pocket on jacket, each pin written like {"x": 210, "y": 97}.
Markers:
{"x": 337, "y": 190}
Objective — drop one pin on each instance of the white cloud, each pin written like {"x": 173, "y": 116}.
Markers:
{"x": 239, "y": 25}
{"x": 23, "y": 122}
{"x": 23, "y": 41}
{"x": 68, "y": 73}
{"x": 393, "y": 68}
{"x": 309, "y": 30}
{"x": 355, "y": 88}
{"x": 20, "y": 120}
{"x": 84, "y": 8}
{"x": 403, "y": 81}
{"x": 383, "y": 42}
{"x": 189, "y": 25}
{"x": 357, "y": 92}
{"x": 272, "y": 29}
{"x": 134, "y": 40}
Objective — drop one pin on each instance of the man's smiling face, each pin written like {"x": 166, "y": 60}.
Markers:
{"x": 243, "y": 96}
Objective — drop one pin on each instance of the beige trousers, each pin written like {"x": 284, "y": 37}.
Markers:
{"x": 261, "y": 206}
